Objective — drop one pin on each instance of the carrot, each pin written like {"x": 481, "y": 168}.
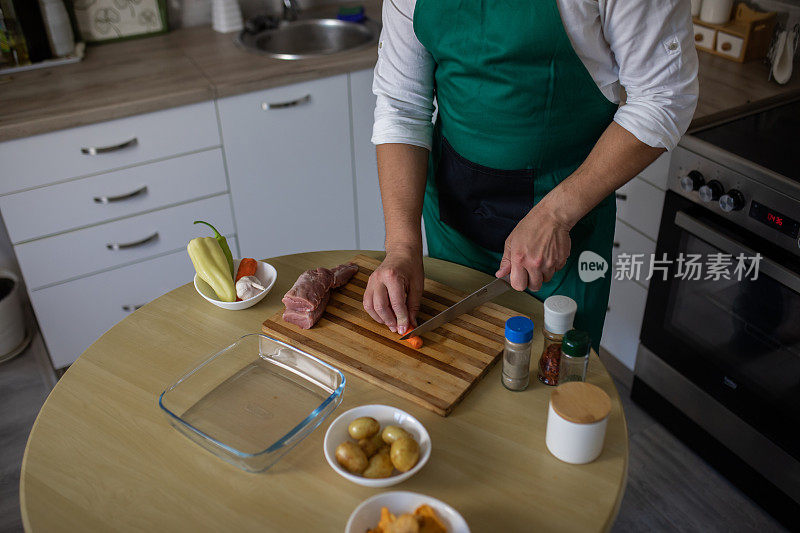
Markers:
{"x": 415, "y": 342}
{"x": 247, "y": 267}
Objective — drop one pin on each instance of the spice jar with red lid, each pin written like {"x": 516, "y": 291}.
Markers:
{"x": 559, "y": 313}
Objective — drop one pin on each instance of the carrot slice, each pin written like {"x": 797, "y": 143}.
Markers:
{"x": 415, "y": 342}
{"x": 247, "y": 267}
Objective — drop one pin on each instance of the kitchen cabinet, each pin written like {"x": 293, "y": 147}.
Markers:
{"x": 288, "y": 152}
{"x": 99, "y": 216}
{"x": 371, "y": 231}
{"x": 639, "y": 206}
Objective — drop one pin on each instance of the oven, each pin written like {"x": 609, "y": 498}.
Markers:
{"x": 719, "y": 355}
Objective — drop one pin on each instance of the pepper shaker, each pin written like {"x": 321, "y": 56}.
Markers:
{"x": 574, "y": 356}
{"x": 517, "y": 353}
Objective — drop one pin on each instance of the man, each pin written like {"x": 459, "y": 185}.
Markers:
{"x": 529, "y": 144}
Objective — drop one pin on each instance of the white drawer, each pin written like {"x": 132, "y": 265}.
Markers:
{"x": 73, "y": 315}
{"x": 640, "y": 205}
{"x": 52, "y": 157}
{"x": 704, "y": 37}
{"x": 658, "y": 172}
{"x": 624, "y": 320}
{"x": 629, "y": 241}
{"x": 730, "y": 45}
{"x": 78, "y": 253}
{"x": 58, "y": 208}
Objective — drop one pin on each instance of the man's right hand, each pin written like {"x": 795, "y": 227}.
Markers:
{"x": 394, "y": 290}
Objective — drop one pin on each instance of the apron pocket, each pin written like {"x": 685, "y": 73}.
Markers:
{"x": 484, "y": 204}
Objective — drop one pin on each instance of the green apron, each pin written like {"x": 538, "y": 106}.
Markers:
{"x": 517, "y": 114}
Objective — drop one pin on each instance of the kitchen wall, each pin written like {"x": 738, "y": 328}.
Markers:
{"x": 185, "y": 13}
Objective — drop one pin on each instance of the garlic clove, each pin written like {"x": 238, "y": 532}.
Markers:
{"x": 248, "y": 287}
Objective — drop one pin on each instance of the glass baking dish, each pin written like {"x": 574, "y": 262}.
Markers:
{"x": 253, "y": 401}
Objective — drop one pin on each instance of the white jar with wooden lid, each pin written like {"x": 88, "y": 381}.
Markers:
{"x": 576, "y": 422}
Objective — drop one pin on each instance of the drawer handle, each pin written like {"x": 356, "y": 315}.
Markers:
{"x": 131, "y": 308}
{"x": 124, "y": 245}
{"x": 266, "y": 106}
{"x": 698, "y": 37}
{"x": 616, "y": 244}
{"x": 725, "y": 46}
{"x": 620, "y": 196}
{"x": 108, "y": 199}
{"x": 94, "y": 150}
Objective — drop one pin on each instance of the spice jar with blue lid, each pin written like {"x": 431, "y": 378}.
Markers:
{"x": 517, "y": 353}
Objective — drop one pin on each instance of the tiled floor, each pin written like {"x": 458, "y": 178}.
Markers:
{"x": 672, "y": 489}
{"x": 669, "y": 487}
{"x": 24, "y": 385}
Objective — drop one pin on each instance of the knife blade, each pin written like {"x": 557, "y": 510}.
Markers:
{"x": 488, "y": 292}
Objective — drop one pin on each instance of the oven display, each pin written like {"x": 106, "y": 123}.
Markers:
{"x": 770, "y": 217}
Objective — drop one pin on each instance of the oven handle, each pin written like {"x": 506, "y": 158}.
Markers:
{"x": 777, "y": 272}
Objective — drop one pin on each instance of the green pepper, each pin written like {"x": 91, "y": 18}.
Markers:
{"x": 223, "y": 243}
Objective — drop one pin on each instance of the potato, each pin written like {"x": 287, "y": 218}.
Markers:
{"x": 380, "y": 465}
{"x": 372, "y": 444}
{"x": 392, "y": 433}
{"x": 351, "y": 457}
{"x": 404, "y": 453}
{"x": 363, "y": 428}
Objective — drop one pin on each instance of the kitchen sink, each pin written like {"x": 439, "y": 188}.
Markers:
{"x": 301, "y": 39}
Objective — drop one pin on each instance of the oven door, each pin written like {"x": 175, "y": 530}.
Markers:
{"x": 739, "y": 341}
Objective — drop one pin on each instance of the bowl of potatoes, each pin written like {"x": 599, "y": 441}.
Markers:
{"x": 376, "y": 445}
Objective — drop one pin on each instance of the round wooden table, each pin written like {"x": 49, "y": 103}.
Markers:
{"x": 101, "y": 455}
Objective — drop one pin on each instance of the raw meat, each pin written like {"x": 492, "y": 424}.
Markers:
{"x": 306, "y": 300}
{"x": 309, "y": 290}
{"x": 342, "y": 274}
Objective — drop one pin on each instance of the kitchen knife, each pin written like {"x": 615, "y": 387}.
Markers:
{"x": 485, "y": 294}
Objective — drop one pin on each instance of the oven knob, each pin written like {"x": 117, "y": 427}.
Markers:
{"x": 692, "y": 181}
{"x": 711, "y": 191}
{"x": 733, "y": 200}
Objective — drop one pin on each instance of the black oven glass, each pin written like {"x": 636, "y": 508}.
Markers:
{"x": 768, "y": 138}
{"x": 737, "y": 340}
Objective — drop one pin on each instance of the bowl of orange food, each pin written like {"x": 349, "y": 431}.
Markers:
{"x": 405, "y": 511}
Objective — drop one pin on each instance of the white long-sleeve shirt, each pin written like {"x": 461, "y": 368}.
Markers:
{"x": 645, "y": 46}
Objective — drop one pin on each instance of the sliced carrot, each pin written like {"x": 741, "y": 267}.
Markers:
{"x": 247, "y": 267}
{"x": 415, "y": 342}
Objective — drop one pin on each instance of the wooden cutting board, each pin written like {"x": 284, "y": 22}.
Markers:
{"x": 452, "y": 360}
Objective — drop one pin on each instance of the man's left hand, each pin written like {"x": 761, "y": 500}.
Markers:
{"x": 537, "y": 248}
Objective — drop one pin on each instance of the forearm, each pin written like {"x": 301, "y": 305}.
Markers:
{"x": 402, "y": 172}
{"x": 616, "y": 158}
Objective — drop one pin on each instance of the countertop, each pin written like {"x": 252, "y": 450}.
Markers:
{"x": 182, "y": 67}
{"x": 195, "y": 64}
{"x": 102, "y": 456}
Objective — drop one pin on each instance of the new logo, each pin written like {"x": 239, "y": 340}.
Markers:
{"x": 591, "y": 266}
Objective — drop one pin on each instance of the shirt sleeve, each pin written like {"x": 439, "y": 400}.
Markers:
{"x": 403, "y": 81}
{"x": 654, "y": 48}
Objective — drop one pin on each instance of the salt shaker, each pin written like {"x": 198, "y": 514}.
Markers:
{"x": 559, "y": 313}
{"x": 574, "y": 356}
{"x": 517, "y": 353}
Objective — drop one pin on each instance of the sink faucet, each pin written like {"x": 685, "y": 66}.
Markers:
{"x": 290, "y": 10}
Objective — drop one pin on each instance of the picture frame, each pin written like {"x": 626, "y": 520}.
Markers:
{"x": 103, "y": 21}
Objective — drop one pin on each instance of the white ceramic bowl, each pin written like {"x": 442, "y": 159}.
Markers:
{"x": 385, "y": 415}
{"x": 367, "y": 515}
{"x": 265, "y": 273}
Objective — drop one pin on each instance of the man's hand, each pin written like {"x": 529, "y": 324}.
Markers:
{"x": 540, "y": 244}
{"x": 537, "y": 248}
{"x": 394, "y": 290}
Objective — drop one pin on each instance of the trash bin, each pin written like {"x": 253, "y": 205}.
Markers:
{"x": 13, "y": 337}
